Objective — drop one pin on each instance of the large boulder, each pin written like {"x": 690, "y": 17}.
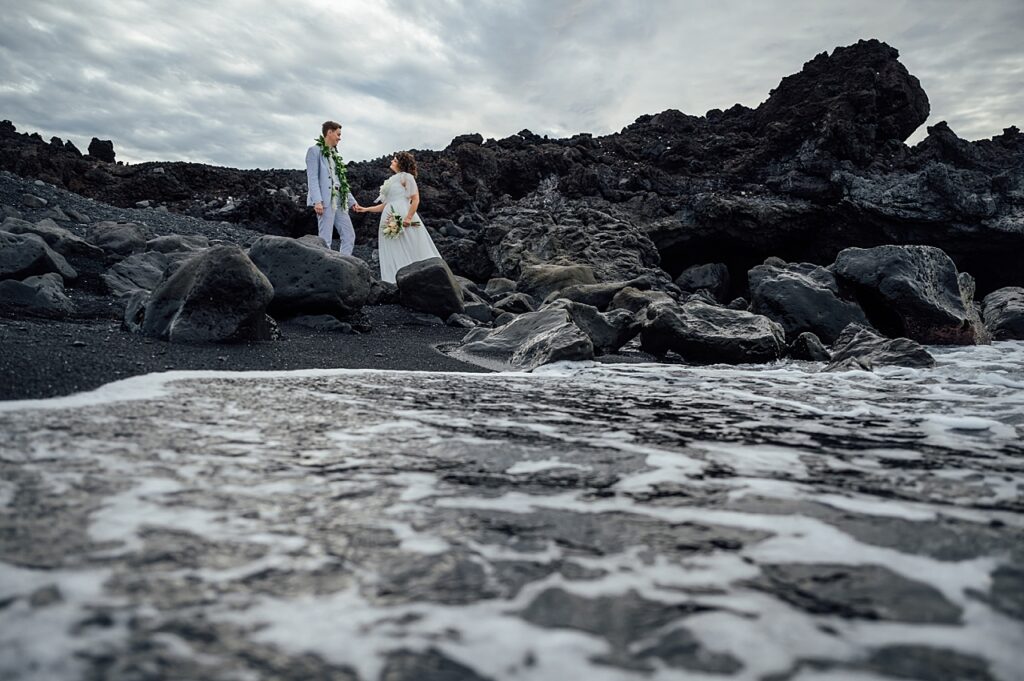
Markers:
{"x": 311, "y": 280}
{"x": 117, "y": 239}
{"x": 908, "y": 291}
{"x": 217, "y": 296}
{"x": 1004, "y": 313}
{"x": 712, "y": 277}
{"x": 102, "y": 149}
{"x": 176, "y": 243}
{"x": 39, "y": 296}
{"x": 540, "y": 281}
{"x": 530, "y": 340}
{"x": 56, "y": 237}
{"x": 26, "y": 255}
{"x": 802, "y": 297}
{"x": 706, "y": 334}
{"x": 807, "y": 346}
{"x": 139, "y": 272}
{"x": 429, "y": 286}
{"x": 607, "y": 331}
{"x": 636, "y": 301}
{"x": 598, "y": 295}
{"x": 861, "y": 348}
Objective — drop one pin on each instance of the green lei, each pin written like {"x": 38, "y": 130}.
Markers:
{"x": 331, "y": 153}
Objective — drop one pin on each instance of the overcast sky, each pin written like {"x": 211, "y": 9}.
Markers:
{"x": 246, "y": 83}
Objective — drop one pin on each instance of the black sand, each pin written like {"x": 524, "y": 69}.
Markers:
{"x": 45, "y": 358}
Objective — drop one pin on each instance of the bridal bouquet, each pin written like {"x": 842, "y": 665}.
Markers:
{"x": 393, "y": 227}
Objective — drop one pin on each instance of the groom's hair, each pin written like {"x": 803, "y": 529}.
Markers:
{"x": 328, "y": 126}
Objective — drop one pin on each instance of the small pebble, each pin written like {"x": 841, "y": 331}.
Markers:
{"x": 79, "y": 344}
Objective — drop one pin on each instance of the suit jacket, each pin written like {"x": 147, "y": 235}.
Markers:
{"x": 318, "y": 177}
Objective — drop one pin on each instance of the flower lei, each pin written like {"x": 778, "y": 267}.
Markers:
{"x": 331, "y": 153}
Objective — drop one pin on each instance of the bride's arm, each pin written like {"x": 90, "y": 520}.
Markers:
{"x": 414, "y": 204}
{"x": 372, "y": 209}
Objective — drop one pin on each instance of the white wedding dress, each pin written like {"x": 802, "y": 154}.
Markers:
{"x": 414, "y": 243}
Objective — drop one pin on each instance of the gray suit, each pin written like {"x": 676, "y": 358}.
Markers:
{"x": 318, "y": 177}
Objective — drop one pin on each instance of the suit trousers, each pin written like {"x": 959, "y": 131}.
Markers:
{"x": 337, "y": 218}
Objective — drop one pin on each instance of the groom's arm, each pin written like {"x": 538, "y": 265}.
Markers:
{"x": 351, "y": 199}
{"x": 312, "y": 175}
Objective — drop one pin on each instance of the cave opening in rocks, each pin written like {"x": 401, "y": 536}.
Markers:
{"x": 878, "y": 311}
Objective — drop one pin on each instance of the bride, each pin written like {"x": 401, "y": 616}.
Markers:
{"x": 400, "y": 196}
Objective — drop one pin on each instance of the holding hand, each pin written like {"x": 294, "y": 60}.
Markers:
{"x": 319, "y": 208}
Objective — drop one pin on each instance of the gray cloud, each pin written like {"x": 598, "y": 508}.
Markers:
{"x": 247, "y": 83}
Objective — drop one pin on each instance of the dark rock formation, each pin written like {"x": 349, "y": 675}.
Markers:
{"x": 117, "y": 239}
{"x": 39, "y": 296}
{"x": 860, "y": 348}
{"x": 705, "y": 334}
{"x": 909, "y": 291}
{"x": 311, "y": 280}
{"x": 139, "y": 272}
{"x": 429, "y": 286}
{"x": 820, "y": 166}
{"x": 713, "y": 278}
{"x": 802, "y": 297}
{"x": 26, "y": 255}
{"x": 217, "y": 296}
{"x": 59, "y": 239}
{"x": 530, "y": 340}
{"x": 607, "y": 331}
{"x": 809, "y": 347}
{"x": 102, "y": 150}
{"x": 1004, "y": 313}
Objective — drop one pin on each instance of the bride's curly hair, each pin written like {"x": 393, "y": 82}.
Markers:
{"x": 406, "y": 162}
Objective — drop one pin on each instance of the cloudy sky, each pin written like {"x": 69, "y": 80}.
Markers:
{"x": 246, "y": 83}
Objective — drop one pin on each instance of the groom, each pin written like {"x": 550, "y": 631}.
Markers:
{"x": 329, "y": 193}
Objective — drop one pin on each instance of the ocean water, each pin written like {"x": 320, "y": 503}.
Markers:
{"x": 607, "y": 521}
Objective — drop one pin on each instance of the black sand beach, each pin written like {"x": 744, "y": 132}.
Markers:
{"x": 42, "y": 358}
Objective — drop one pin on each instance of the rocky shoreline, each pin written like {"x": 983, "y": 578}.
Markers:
{"x": 803, "y": 228}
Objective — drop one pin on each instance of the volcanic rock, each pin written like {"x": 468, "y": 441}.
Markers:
{"x": 1004, "y": 313}
{"x": 859, "y": 347}
{"x": 705, "y": 334}
{"x": 25, "y": 255}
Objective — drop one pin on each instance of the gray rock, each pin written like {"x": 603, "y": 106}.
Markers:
{"x": 429, "y": 286}
{"x": 311, "y": 280}
{"x": 636, "y": 301}
{"x": 428, "y": 665}
{"x": 925, "y": 663}
{"x": 713, "y": 278}
{"x": 171, "y": 243}
{"x": 1004, "y": 313}
{"x": 802, "y": 297}
{"x": 78, "y": 216}
{"x": 143, "y": 204}
{"x": 705, "y": 334}
{"x": 9, "y": 212}
{"x": 26, "y": 255}
{"x": 607, "y": 331}
{"x": 908, "y": 291}
{"x": 142, "y": 271}
{"x": 809, "y": 347}
{"x": 516, "y": 303}
{"x": 312, "y": 240}
{"x": 33, "y": 201}
{"x": 59, "y": 239}
{"x": 38, "y": 296}
{"x": 117, "y": 239}
{"x": 860, "y": 347}
{"x": 598, "y": 295}
{"x": 739, "y": 303}
{"x": 540, "y": 281}
{"x": 462, "y": 321}
{"x": 499, "y": 286}
{"x": 504, "y": 318}
{"x": 481, "y": 312}
{"x": 217, "y": 296}
{"x": 533, "y": 339}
